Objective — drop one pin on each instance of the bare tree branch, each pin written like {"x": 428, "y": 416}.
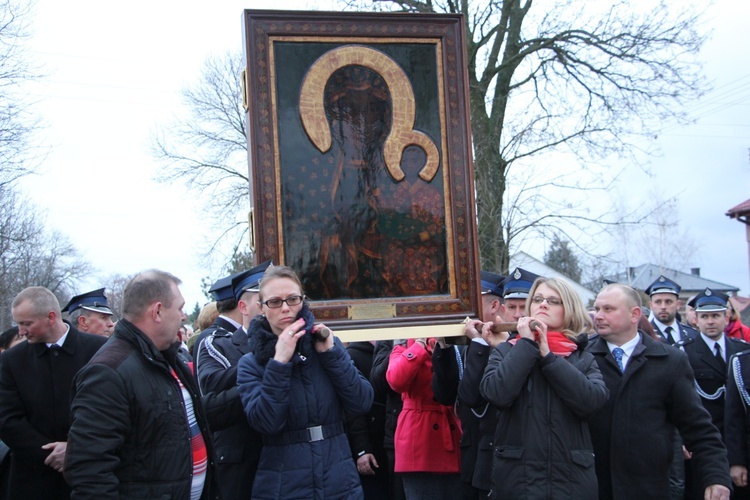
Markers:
{"x": 579, "y": 78}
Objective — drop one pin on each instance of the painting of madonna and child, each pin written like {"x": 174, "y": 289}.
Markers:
{"x": 369, "y": 203}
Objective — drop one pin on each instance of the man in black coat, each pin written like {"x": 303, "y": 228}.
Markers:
{"x": 139, "y": 429}
{"x": 393, "y": 406}
{"x": 709, "y": 353}
{"x": 503, "y": 299}
{"x": 737, "y": 418}
{"x": 237, "y": 447}
{"x": 35, "y": 382}
{"x": 651, "y": 393}
{"x": 366, "y": 433}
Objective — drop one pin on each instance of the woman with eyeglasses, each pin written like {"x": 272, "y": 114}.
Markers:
{"x": 545, "y": 386}
{"x": 295, "y": 385}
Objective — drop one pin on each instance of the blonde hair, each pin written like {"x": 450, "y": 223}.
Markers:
{"x": 576, "y": 319}
{"x": 207, "y": 316}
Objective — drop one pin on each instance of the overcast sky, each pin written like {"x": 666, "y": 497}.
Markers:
{"x": 114, "y": 75}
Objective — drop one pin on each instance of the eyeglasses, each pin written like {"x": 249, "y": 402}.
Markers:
{"x": 294, "y": 300}
{"x": 551, "y": 301}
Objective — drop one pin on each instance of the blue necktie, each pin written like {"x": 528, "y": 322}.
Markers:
{"x": 617, "y": 353}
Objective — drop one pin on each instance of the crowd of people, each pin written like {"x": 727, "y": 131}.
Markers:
{"x": 617, "y": 402}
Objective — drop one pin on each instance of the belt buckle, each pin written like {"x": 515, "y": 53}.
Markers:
{"x": 315, "y": 433}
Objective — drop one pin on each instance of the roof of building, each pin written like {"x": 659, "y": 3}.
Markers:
{"x": 642, "y": 276}
{"x": 740, "y": 210}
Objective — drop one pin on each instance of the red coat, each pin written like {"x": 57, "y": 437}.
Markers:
{"x": 427, "y": 432}
{"x": 737, "y": 330}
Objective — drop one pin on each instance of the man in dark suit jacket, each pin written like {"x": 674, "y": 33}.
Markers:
{"x": 237, "y": 447}
{"x": 651, "y": 393}
{"x": 35, "y": 384}
{"x": 229, "y": 319}
{"x": 710, "y": 350}
{"x": 708, "y": 353}
{"x": 737, "y": 417}
{"x": 504, "y": 299}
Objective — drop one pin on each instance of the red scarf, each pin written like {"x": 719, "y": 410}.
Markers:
{"x": 559, "y": 344}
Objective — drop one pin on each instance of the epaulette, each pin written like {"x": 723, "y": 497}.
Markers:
{"x": 741, "y": 341}
{"x": 683, "y": 342}
{"x": 221, "y": 332}
{"x": 208, "y": 345}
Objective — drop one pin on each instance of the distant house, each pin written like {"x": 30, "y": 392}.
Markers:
{"x": 741, "y": 212}
{"x": 529, "y": 263}
{"x": 642, "y": 276}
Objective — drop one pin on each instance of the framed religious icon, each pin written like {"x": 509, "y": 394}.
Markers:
{"x": 360, "y": 163}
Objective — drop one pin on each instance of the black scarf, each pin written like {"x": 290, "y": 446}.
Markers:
{"x": 262, "y": 341}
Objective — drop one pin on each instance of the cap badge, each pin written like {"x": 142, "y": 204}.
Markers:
{"x": 517, "y": 274}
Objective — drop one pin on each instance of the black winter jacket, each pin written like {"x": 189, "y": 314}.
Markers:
{"x": 129, "y": 436}
{"x": 542, "y": 444}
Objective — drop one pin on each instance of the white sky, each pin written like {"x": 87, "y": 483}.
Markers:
{"x": 114, "y": 76}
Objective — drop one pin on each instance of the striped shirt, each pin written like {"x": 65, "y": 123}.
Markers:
{"x": 198, "y": 445}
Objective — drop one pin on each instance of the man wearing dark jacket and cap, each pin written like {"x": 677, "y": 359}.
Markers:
{"x": 237, "y": 447}
{"x": 138, "y": 428}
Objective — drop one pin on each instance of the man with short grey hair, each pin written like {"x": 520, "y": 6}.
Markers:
{"x": 139, "y": 429}
{"x": 35, "y": 380}
{"x": 90, "y": 313}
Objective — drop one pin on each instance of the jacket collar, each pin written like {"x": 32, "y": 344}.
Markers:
{"x": 239, "y": 337}
{"x": 135, "y": 336}
{"x": 69, "y": 346}
{"x": 647, "y": 347}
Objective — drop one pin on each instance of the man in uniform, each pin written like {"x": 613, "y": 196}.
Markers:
{"x": 237, "y": 447}
{"x": 229, "y": 319}
{"x": 515, "y": 291}
{"x": 709, "y": 353}
{"x": 664, "y": 305}
{"x": 503, "y": 299}
{"x": 35, "y": 381}
{"x": 90, "y": 313}
{"x": 737, "y": 420}
{"x": 652, "y": 393}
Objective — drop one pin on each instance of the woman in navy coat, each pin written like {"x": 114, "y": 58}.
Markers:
{"x": 295, "y": 385}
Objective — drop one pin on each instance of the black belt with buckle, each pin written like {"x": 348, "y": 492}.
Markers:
{"x": 309, "y": 435}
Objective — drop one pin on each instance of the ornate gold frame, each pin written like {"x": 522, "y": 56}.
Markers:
{"x": 361, "y": 39}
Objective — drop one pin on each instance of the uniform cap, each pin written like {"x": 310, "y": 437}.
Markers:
{"x": 94, "y": 300}
{"x": 222, "y": 289}
{"x": 491, "y": 283}
{"x": 518, "y": 283}
{"x": 663, "y": 285}
{"x": 709, "y": 301}
{"x": 249, "y": 281}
